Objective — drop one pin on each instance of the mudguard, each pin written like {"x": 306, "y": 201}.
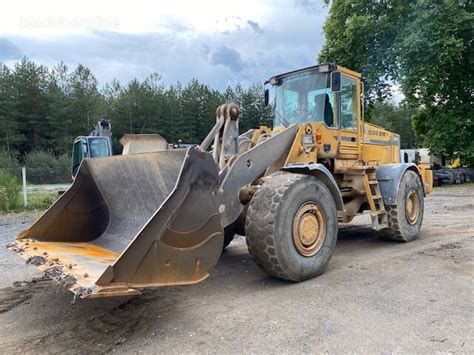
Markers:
{"x": 389, "y": 177}
{"x": 322, "y": 173}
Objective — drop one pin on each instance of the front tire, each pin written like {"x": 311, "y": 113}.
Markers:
{"x": 291, "y": 227}
{"x": 405, "y": 218}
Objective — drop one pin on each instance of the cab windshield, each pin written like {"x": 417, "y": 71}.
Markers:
{"x": 303, "y": 97}
{"x": 99, "y": 147}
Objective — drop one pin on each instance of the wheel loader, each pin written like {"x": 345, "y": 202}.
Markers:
{"x": 153, "y": 219}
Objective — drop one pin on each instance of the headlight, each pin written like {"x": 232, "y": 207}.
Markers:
{"x": 307, "y": 139}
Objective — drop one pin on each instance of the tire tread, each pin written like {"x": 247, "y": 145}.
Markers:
{"x": 259, "y": 222}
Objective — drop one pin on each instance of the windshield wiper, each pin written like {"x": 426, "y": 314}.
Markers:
{"x": 283, "y": 121}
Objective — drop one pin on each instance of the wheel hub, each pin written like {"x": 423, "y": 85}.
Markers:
{"x": 412, "y": 208}
{"x": 309, "y": 229}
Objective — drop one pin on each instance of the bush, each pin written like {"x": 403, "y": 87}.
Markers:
{"x": 39, "y": 200}
{"x": 9, "y": 191}
{"x": 9, "y": 163}
{"x": 44, "y": 168}
{"x": 64, "y": 168}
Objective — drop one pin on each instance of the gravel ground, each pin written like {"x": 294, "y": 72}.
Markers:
{"x": 375, "y": 297}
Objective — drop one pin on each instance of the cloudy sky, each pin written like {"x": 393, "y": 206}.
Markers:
{"x": 217, "y": 42}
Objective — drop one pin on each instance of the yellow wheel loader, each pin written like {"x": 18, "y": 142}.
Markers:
{"x": 156, "y": 219}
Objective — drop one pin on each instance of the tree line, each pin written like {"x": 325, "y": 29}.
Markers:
{"x": 424, "y": 46}
{"x": 45, "y": 109}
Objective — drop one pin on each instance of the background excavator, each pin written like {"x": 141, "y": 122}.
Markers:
{"x": 98, "y": 144}
{"x": 161, "y": 218}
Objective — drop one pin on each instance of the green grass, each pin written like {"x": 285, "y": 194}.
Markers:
{"x": 37, "y": 200}
{"x": 40, "y": 200}
{"x": 9, "y": 191}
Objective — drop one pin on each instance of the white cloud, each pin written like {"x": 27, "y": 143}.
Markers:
{"x": 57, "y": 18}
{"x": 179, "y": 39}
{"x": 397, "y": 94}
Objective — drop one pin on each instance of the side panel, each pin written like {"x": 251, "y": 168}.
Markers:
{"x": 389, "y": 177}
{"x": 322, "y": 173}
{"x": 380, "y": 146}
{"x": 325, "y": 144}
{"x": 348, "y": 144}
{"x": 328, "y": 146}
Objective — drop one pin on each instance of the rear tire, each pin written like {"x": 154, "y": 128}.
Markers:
{"x": 291, "y": 227}
{"x": 405, "y": 218}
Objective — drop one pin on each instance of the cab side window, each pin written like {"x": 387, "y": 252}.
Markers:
{"x": 348, "y": 103}
{"x": 320, "y": 105}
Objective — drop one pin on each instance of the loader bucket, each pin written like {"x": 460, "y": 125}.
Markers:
{"x": 130, "y": 222}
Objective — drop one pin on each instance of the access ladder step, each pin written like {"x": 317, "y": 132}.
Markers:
{"x": 378, "y": 213}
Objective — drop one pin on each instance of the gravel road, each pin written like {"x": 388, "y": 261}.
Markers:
{"x": 375, "y": 297}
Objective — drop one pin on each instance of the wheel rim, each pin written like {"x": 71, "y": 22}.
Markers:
{"x": 309, "y": 229}
{"x": 412, "y": 207}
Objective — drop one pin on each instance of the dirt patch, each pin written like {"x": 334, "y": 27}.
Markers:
{"x": 58, "y": 275}
{"x": 13, "y": 299}
{"x": 448, "y": 251}
{"x": 101, "y": 333}
{"x": 20, "y": 292}
{"x": 15, "y": 248}
{"x": 35, "y": 260}
{"x": 468, "y": 207}
{"x": 449, "y": 246}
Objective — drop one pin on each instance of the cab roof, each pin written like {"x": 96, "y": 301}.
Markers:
{"x": 322, "y": 68}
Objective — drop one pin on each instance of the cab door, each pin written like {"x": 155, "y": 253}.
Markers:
{"x": 348, "y": 116}
{"x": 80, "y": 151}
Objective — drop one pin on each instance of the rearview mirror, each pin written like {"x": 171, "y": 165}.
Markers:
{"x": 336, "y": 81}
{"x": 267, "y": 97}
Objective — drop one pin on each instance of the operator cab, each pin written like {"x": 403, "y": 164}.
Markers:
{"x": 319, "y": 93}
{"x": 89, "y": 147}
